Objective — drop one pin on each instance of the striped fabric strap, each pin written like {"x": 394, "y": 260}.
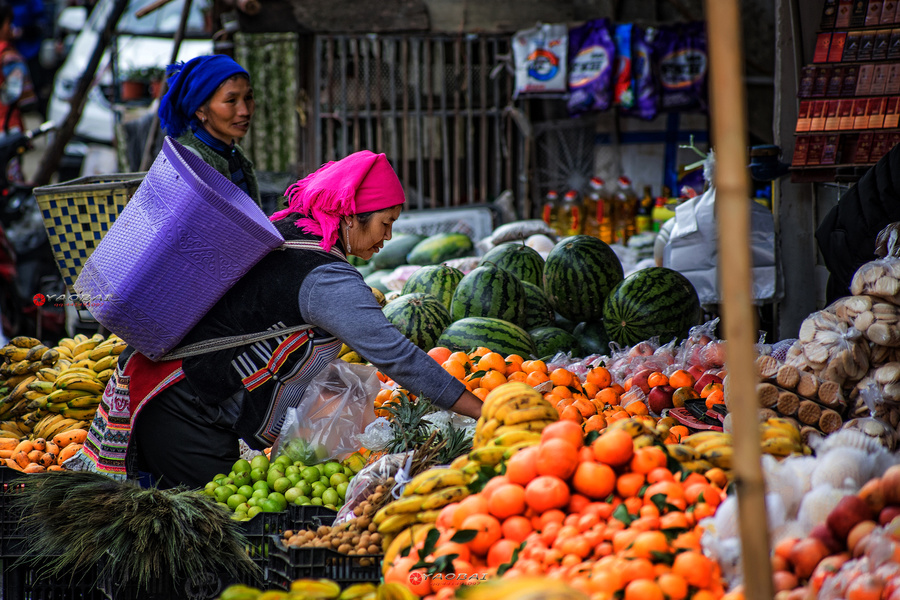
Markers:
{"x": 277, "y": 359}
{"x": 235, "y": 341}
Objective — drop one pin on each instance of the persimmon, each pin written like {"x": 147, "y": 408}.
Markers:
{"x": 648, "y": 458}
{"x": 488, "y": 532}
{"x": 440, "y": 354}
{"x": 657, "y": 379}
{"x": 557, "y": 457}
{"x": 570, "y": 432}
{"x": 507, "y": 500}
{"x": 522, "y": 466}
{"x": 516, "y": 528}
{"x": 472, "y": 505}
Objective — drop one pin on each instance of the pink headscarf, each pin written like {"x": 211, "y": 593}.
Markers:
{"x": 361, "y": 182}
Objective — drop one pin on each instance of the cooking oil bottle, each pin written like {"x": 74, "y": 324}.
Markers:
{"x": 643, "y": 220}
{"x": 571, "y": 221}
{"x": 598, "y": 212}
{"x": 549, "y": 210}
{"x": 626, "y": 202}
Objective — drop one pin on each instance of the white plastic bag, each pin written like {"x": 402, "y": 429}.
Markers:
{"x": 541, "y": 56}
{"x": 336, "y": 408}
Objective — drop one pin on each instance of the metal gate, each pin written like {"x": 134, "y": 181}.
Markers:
{"x": 437, "y": 106}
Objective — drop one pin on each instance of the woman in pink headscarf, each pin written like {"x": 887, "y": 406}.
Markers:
{"x": 191, "y": 414}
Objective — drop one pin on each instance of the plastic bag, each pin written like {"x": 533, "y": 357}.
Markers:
{"x": 337, "y": 406}
{"x": 540, "y": 57}
{"x": 378, "y": 472}
{"x": 879, "y": 278}
{"x": 520, "y": 230}
{"x": 831, "y": 349}
{"x": 871, "y": 316}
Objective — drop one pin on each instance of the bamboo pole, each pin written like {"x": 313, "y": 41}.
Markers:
{"x": 729, "y": 127}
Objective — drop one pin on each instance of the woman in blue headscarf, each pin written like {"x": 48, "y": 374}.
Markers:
{"x": 208, "y": 108}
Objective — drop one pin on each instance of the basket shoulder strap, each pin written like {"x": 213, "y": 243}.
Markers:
{"x": 233, "y": 341}
{"x": 312, "y": 245}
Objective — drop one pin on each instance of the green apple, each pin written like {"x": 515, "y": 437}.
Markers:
{"x": 291, "y": 494}
{"x": 303, "y": 501}
{"x": 210, "y": 489}
{"x": 222, "y": 494}
{"x": 292, "y": 469}
{"x": 252, "y": 502}
{"x": 318, "y": 489}
{"x": 272, "y": 475}
{"x": 332, "y": 467}
{"x": 257, "y": 474}
{"x": 295, "y": 478}
{"x": 261, "y": 485}
{"x": 281, "y": 484}
{"x": 337, "y": 478}
{"x": 260, "y": 461}
{"x": 284, "y": 461}
{"x": 341, "y": 489}
{"x": 310, "y": 474}
{"x": 315, "y": 501}
{"x": 241, "y": 466}
{"x": 324, "y": 480}
{"x": 279, "y": 499}
{"x": 242, "y": 478}
{"x": 348, "y": 472}
{"x": 254, "y": 510}
{"x": 269, "y": 506}
{"x": 330, "y": 496}
{"x": 260, "y": 494}
{"x": 246, "y": 490}
{"x": 219, "y": 478}
{"x": 305, "y": 487}
{"x": 234, "y": 500}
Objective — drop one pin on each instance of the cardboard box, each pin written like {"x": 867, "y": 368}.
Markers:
{"x": 823, "y": 43}
{"x": 860, "y": 118}
{"x": 845, "y": 115}
{"x": 849, "y": 87}
{"x": 832, "y": 121}
{"x": 836, "y": 49}
{"x": 875, "y": 111}
{"x": 879, "y": 79}
{"x": 873, "y": 12}
{"x": 803, "y": 116}
{"x": 888, "y": 13}
{"x": 801, "y": 151}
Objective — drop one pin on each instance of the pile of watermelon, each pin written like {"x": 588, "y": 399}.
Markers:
{"x": 515, "y": 302}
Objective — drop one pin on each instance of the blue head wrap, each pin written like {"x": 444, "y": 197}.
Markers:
{"x": 190, "y": 85}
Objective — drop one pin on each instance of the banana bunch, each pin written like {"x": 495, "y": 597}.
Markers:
{"x": 512, "y": 418}
{"x": 707, "y": 449}
{"x": 422, "y": 500}
{"x": 780, "y": 438}
{"x": 350, "y": 355}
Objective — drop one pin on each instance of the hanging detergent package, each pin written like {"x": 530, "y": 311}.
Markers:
{"x": 646, "y": 91}
{"x": 623, "y": 90}
{"x": 540, "y": 57}
{"x": 592, "y": 55}
{"x": 683, "y": 62}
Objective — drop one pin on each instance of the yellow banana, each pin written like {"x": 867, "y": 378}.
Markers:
{"x": 785, "y": 426}
{"x": 409, "y": 504}
{"x": 88, "y": 385}
{"x": 695, "y": 439}
{"x": 36, "y": 352}
{"x": 418, "y": 480}
{"x": 527, "y": 426}
{"x": 57, "y": 406}
{"x": 103, "y": 364}
{"x": 484, "y": 431}
{"x": 45, "y": 387}
{"x": 783, "y": 446}
{"x": 50, "y": 356}
{"x": 64, "y": 352}
{"x": 105, "y": 376}
{"x": 84, "y": 402}
{"x": 459, "y": 462}
{"x": 64, "y": 424}
{"x": 66, "y": 395}
{"x": 510, "y": 450}
{"x": 644, "y": 440}
{"x": 47, "y": 374}
{"x": 535, "y": 413}
{"x": 720, "y": 457}
{"x": 68, "y": 343}
{"x": 723, "y": 441}
{"x": 22, "y": 341}
{"x": 79, "y": 413}
{"x": 429, "y": 516}
{"x": 86, "y": 364}
{"x": 444, "y": 496}
{"x": 85, "y": 346}
{"x": 631, "y": 426}
{"x": 506, "y": 392}
{"x": 396, "y": 523}
{"x": 682, "y": 452}
{"x": 444, "y": 478}
{"x": 512, "y": 438}
{"x": 488, "y": 455}
{"x": 501, "y": 411}
{"x": 21, "y": 388}
{"x": 697, "y": 466}
{"x": 23, "y": 367}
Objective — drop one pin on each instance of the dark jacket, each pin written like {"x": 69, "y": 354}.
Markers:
{"x": 212, "y": 158}
{"x": 846, "y": 235}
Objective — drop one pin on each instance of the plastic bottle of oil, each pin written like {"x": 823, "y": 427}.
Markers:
{"x": 643, "y": 220}
{"x": 598, "y": 211}
{"x": 549, "y": 210}
{"x": 626, "y": 202}
{"x": 571, "y": 218}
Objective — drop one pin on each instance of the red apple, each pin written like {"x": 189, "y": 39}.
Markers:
{"x": 890, "y": 485}
{"x": 696, "y": 372}
{"x": 823, "y": 533}
{"x": 639, "y": 379}
{"x": 706, "y": 379}
{"x": 888, "y": 513}
{"x": 660, "y": 398}
{"x": 849, "y": 511}
{"x": 805, "y": 556}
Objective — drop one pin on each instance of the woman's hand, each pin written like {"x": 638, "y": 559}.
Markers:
{"x": 468, "y": 404}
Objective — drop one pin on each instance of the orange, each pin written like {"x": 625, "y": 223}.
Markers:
{"x": 507, "y": 500}
{"x": 696, "y": 568}
{"x": 646, "y": 543}
{"x": 638, "y": 407}
{"x": 521, "y": 467}
{"x": 595, "y": 423}
{"x": 550, "y": 516}
{"x": 643, "y": 589}
{"x": 681, "y": 378}
{"x": 673, "y": 520}
{"x": 516, "y": 376}
{"x": 516, "y": 528}
{"x": 605, "y": 582}
{"x": 629, "y": 484}
{"x": 492, "y": 484}
{"x": 717, "y": 477}
{"x": 715, "y": 397}
{"x": 584, "y": 406}
{"x": 514, "y": 359}
{"x": 637, "y": 568}
{"x": 535, "y": 378}
{"x": 660, "y": 474}
{"x": 445, "y": 517}
{"x": 680, "y": 431}
{"x": 492, "y": 361}
{"x": 615, "y": 448}
{"x": 648, "y": 458}
{"x": 455, "y": 368}
{"x": 530, "y": 366}
{"x": 501, "y": 552}
{"x": 492, "y": 379}
{"x": 445, "y": 548}
{"x": 709, "y": 389}
{"x": 557, "y": 457}
{"x": 577, "y": 502}
{"x": 481, "y": 393}
{"x": 561, "y": 376}
{"x": 488, "y": 532}
{"x": 608, "y": 396}
{"x": 462, "y": 358}
{"x": 702, "y": 492}
{"x": 479, "y": 351}
{"x": 590, "y": 390}
{"x": 475, "y": 504}
{"x": 594, "y": 480}
{"x": 657, "y": 379}
{"x": 546, "y": 492}
{"x": 561, "y": 391}
{"x": 571, "y": 413}
{"x": 673, "y": 586}
{"x": 564, "y": 430}
{"x": 472, "y": 382}
{"x": 599, "y": 376}
{"x": 440, "y": 354}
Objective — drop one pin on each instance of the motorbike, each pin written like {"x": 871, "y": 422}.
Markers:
{"x": 27, "y": 264}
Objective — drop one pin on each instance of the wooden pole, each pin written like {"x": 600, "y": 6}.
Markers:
{"x": 147, "y": 156}
{"x": 729, "y": 128}
{"x": 52, "y": 155}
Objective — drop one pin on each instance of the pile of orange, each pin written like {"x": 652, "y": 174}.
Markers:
{"x": 608, "y": 518}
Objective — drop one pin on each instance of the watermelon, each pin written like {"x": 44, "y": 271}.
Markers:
{"x": 550, "y": 340}
{"x": 440, "y": 247}
{"x": 374, "y": 278}
{"x": 498, "y": 335}
{"x": 517, "y": 258}
{"x": 437, "y": 280}
{"x": 420, "y": 317}
{"x": 593, "y": 337}
{"x": 489, "y": 291}
{"x": 563, "y": 323}
{"x": 538, "y": 312}
{"x": 656, "y": 301}
{"x": 579, "y": 273}
{"x": 394, "y": 252}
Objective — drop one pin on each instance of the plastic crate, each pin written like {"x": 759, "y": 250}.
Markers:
{"x": 78, "y": 213}
{"x": 12, "y": 537}
{"x": 287, "y": 564}
{"x": 25, "y": 582}
{"x": 260, "y": 531}
{"x": 309, "y": 516}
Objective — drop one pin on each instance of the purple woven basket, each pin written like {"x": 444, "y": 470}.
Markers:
{"x": 187, "y": 235}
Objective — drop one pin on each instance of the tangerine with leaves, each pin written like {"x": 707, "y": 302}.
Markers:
{"x": 570, "y": 413}
{"x": 487, "y": 530}
{"x": 536, "y": 378}
{"x": 462, "y": 358}
{"x": 614, "y": 447}
{"x": 501, "y": 552}
{"x": 455, "y": 368}
{"x": 649, "y": 545}
{"x": 492, "y": 361}
{"x": 557, "y": 457}
{"x": 673, "y": 586}
{"x": 562, "y": 376}
{"x": 531, "y": 366}
{"x": 546, "y": 492}
{"x": 492, "y": 379}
